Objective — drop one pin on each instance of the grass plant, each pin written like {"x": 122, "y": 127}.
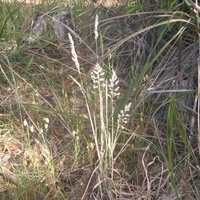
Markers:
{"x": 108, "y": 112}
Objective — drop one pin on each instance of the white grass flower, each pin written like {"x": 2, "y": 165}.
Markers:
{"x": 74, "y": 54}
{"x": 46, "y": 120}
{"x": 97, "y": 76}
{"x": 36, "y": 93}
{"x": 127, "y": 107}
{"x": 113, "y": 85}
{"x": 96, "y": 27}
{"x": 75, "y": 135}
{"x": 123, "y": 116}
{"x": 25, "y": 123}
{"x": 32, "y": 129}
{"x": 46, "y": 126}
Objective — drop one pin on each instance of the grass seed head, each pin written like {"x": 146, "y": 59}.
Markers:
{"x": 97, "y": 76}
{"x": 123, "y": 116}
{"x": 96, "y": 27}
{"x": 25, "y": 123}
{"x": 74, "y": 54}
{"x": 113, "y": 85}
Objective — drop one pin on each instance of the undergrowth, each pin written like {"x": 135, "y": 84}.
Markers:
{"x": 99, "y": 101}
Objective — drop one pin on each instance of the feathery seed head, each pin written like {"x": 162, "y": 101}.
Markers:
{"x": 74, "y": 54}
{"x": 96, "y": 27}
{"x": 123, "y": 116}
{"x": 97, "y": 76}
{"x": 113, "y": 85}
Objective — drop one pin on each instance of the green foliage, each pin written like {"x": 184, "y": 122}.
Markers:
{"x": 169, "y": 4}
{"x": 10, "y": 17}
